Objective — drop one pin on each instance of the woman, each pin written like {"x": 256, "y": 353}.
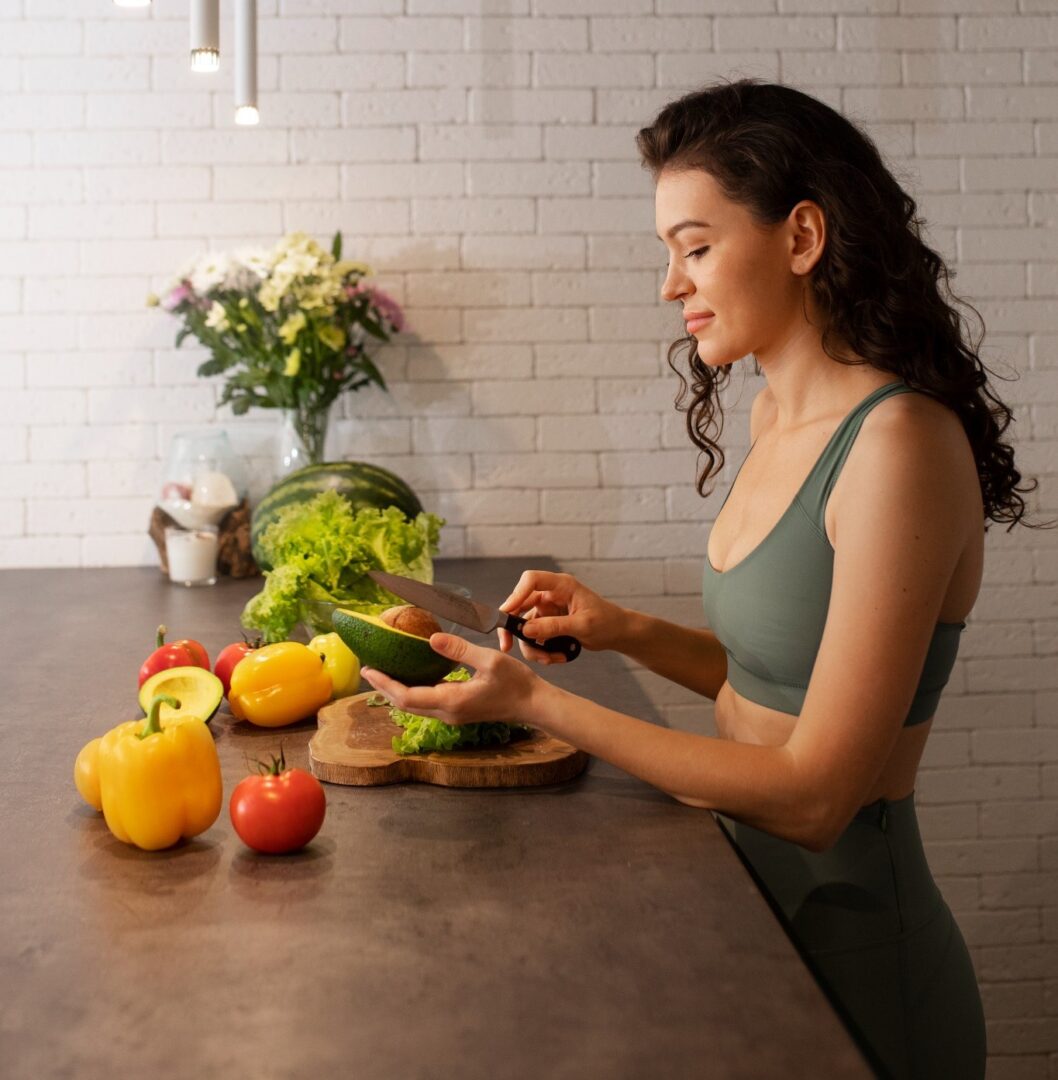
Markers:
{"x": 840, "y": 569}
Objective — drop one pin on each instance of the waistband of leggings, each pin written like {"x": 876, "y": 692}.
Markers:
{"x": 879, "y": 811}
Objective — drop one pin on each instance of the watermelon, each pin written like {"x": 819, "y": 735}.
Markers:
{"x": 360, "y": 483}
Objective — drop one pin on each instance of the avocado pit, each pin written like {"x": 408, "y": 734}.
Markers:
{"x": 411, "y": 619}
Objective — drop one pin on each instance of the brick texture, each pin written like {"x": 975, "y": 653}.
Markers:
{"x": 482, "y": 157}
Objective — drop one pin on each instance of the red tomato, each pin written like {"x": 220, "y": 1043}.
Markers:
{"x": 228, "y": 657}
{"x": 278, "y": 811}
{"x": 183, "y": 653}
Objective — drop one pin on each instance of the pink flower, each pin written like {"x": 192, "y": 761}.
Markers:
{"x": 388, "y": 308}
{"x": 382, "y": 302}
{"x": 177, "y": 296}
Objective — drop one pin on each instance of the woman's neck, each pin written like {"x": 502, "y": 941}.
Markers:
{"x": 807, "y": 386}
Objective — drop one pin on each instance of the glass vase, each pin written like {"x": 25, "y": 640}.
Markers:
{"x": 302, "y": 438}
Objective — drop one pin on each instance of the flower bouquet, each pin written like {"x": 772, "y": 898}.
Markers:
{"x": 289, "y": 328}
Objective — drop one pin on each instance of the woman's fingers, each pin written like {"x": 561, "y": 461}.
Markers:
{"x": 542, "y": 598}
{"x": 517, "y": 602}
{"x": 459, "y": 649}
{"x": 538, "y": 656}
{"x": 531, "y": 581}
{"x": 403, "y": 697}
{"x": 500, "y": 689}
{"x": 540, "y": 628}
{"x": 431, "y": 700}
{"x": 437, "y": 701}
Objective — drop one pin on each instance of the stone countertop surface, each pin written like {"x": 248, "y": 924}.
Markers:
{"x": 596, "y": 928}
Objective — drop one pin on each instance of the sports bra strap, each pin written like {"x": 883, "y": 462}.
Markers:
{"x": 817, "y": 488}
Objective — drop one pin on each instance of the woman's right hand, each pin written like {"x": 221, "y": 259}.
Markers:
{"x": 556, "y": 605}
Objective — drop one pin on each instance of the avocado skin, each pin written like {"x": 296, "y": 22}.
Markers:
{"x": 401, "y": 656}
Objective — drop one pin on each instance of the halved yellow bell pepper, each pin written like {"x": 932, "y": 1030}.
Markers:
{"x": 158, "y": 783}
{"x": 279, "y": 684}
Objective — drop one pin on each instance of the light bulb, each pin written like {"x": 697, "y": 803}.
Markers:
{"x": 205, "y": 59}
{"x": 205, "y": 35}
{"x": 246, "y": 62}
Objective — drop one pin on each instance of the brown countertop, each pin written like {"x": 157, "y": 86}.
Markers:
{"x": 593, "y": 929}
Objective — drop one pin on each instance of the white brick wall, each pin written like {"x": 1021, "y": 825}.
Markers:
{"x": 481, "y": 155}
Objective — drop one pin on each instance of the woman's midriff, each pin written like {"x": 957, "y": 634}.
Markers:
{"x": 745, "y": 721}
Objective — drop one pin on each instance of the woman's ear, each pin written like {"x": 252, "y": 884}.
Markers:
{"x": 807, "y": 226}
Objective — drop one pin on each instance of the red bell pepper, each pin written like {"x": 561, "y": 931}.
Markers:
{"x": 182, "y": 653}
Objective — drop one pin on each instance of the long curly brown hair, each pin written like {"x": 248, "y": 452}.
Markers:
{"x": 883, "y": 292}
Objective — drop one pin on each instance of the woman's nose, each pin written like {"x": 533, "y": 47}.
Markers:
{"x": 675, "y": 284}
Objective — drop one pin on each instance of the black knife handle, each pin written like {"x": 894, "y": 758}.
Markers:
{"x": 568, "y": 646}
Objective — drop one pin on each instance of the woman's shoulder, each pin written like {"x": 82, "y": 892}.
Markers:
{"x": 917, "y": 444}
{"x": 912, "y": 425}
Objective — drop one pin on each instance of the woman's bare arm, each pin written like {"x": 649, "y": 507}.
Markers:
{"x": 693, "y": 658}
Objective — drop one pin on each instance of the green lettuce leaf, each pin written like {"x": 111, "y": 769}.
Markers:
{"x": 322, "y": 549}
{"x": 423, "y": 734}
{"x": 276, "y": 609}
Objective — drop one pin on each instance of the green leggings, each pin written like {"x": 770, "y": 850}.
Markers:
{"x": 875, "y": 931}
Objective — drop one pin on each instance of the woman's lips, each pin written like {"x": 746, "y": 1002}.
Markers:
{"x": 696, "y": 322}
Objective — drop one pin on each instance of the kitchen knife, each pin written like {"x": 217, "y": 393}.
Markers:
{"x": 466, "y": 612}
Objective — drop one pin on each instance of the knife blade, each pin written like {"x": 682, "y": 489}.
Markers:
{"x": 467, "y": 612}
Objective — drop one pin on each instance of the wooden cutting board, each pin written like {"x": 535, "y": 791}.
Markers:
{"x": 353, "y": 746}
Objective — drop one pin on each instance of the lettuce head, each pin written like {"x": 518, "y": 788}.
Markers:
{"x": 322, "y": 549}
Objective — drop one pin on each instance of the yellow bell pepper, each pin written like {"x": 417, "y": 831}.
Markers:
{"x": 86, "y": 774}
{"x": 279, "y": 684}
{"x": 158, "y": 783}
{"x": 339, "y": 661}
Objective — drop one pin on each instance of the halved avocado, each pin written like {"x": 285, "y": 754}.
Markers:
{"x": 199, "y": 692}
{"x": 400, "y": 655}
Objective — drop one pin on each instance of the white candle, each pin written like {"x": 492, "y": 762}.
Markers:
{"x": 192, "y": 555}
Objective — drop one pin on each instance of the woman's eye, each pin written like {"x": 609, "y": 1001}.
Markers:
{"x": 697, "y": 253}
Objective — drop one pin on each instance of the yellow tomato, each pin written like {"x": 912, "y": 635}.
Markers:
{"x": 339, "y": 661}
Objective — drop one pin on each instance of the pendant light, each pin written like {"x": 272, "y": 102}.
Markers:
{"x": 246, "y": 62}
{"x": 205, "y": 35}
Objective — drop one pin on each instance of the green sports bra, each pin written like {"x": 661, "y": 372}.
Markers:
{"x": 770, "y": 608}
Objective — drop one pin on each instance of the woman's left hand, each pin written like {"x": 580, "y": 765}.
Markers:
{"x": 502, "y": 688}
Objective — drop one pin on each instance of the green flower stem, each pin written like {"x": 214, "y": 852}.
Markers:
{"x": 311, "y": 425}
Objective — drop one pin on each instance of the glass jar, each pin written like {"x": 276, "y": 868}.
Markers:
{"x": 192, "y": 555}
{"x": 203, "y": 478}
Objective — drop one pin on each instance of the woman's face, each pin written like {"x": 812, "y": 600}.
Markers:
{"x": 740, "y": 283}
